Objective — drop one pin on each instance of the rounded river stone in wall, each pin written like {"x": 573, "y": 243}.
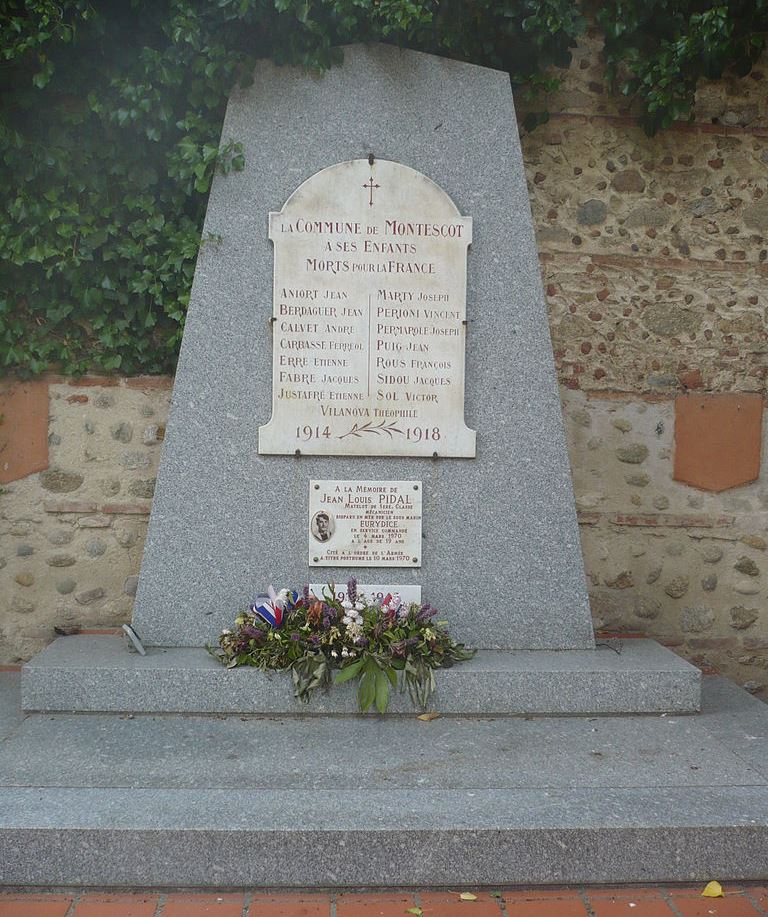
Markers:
{"x": 65, "y": 586}
{"x": 122, "y": 432}
{"x": 677, "y": 587}
{"x": 60, "y": 560}
{"x": 711, "y": 554}
{"x": 60, "y": 536}
{"x": 95, "y": 547}
{"x": 143, "y": 487}
{"x": 696, "y": 619}
{"x": 742, "y": 618}
{"x": 89, "y": 595}
{"x": 633, "y": 454}
{"x": 747, "y": 566}
{"x": 61, "y": 482}
{"x": 591, "y": 212}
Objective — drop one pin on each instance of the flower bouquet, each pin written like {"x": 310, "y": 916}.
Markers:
{"x": 381, "y": 643}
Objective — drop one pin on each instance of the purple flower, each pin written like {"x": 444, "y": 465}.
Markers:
{"x": 352, "y": 590}
{"x": 253, "y": 633}
{"x": 425, "y": 613}
{"x": 330, "y": 616}
{"x": 361, "y": 641}
{"x": 314, "y": 640}
{"x": 295, "y": 637}
{"x": 305, "y": 594}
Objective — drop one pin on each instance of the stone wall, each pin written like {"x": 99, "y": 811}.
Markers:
{"x": 654, "y": 258}
{"x": 653, "y": 249}
{"x": 682, "y": 565}
{"x": 71, "y": 536}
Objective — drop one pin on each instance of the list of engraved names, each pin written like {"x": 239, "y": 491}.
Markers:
{"x": 369, "y": 316}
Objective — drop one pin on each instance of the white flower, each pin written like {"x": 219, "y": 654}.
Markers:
{"x": 225, "y": 632}
{"x": 334, "y": 654}
{"x": 396, "y": 600}
{"x": 282, "y": 596}
{"x": 346, "y": 620}
{"x": 359, "y": 606}
{"x": 346, "y": 604}
{"x": 345, "y": 652}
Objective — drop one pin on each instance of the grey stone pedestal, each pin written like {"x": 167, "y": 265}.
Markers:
{"x": 96, "y": 673}
{"x": 296, "y": 801}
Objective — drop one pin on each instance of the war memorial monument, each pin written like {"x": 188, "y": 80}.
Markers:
{"x": 366, "y": 386}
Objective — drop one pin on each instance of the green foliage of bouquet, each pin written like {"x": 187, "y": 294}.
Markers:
{"x": 380, "y": 644}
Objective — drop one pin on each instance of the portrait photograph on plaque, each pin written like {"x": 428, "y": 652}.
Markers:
{"x": 322, "y": 526}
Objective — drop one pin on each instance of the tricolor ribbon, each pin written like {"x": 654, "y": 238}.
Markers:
{"x": 269, "y": 608}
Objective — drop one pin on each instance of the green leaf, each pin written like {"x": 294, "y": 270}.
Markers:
{"x": 367, "y": 691}
{"x": 382, "y": 690}
{"x": 349, "y": 671}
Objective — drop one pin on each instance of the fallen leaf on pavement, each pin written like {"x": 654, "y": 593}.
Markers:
{"x": 713, "y": 890}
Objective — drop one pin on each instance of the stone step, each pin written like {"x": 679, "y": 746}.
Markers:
{"x": 96, "y": 673}
{"x": 151, "y": 838}
{"x": 147, "y": 800}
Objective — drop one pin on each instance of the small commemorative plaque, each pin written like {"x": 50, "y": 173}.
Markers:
{"x": 365, "y": 523}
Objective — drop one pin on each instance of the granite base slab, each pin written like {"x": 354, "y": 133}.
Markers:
{"x": 104, "y": 800}
{"x": 97, "y": 673}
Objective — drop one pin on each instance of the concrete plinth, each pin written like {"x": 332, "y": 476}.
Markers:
{"x": 95, "y": 673}
{"x": 341, "y": 801}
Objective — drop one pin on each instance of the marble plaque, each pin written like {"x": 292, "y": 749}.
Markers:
{"x": 368, "y": 321}
{"x": 365, "y": 523}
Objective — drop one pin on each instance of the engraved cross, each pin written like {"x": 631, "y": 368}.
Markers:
{"x": 370, "y": 185}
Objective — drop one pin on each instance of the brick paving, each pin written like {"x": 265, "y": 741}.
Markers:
{"x": 750, "y": 900}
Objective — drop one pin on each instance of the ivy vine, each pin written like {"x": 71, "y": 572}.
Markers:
{"x": 110, "y": 122}
{"x": 657, "y": 51}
